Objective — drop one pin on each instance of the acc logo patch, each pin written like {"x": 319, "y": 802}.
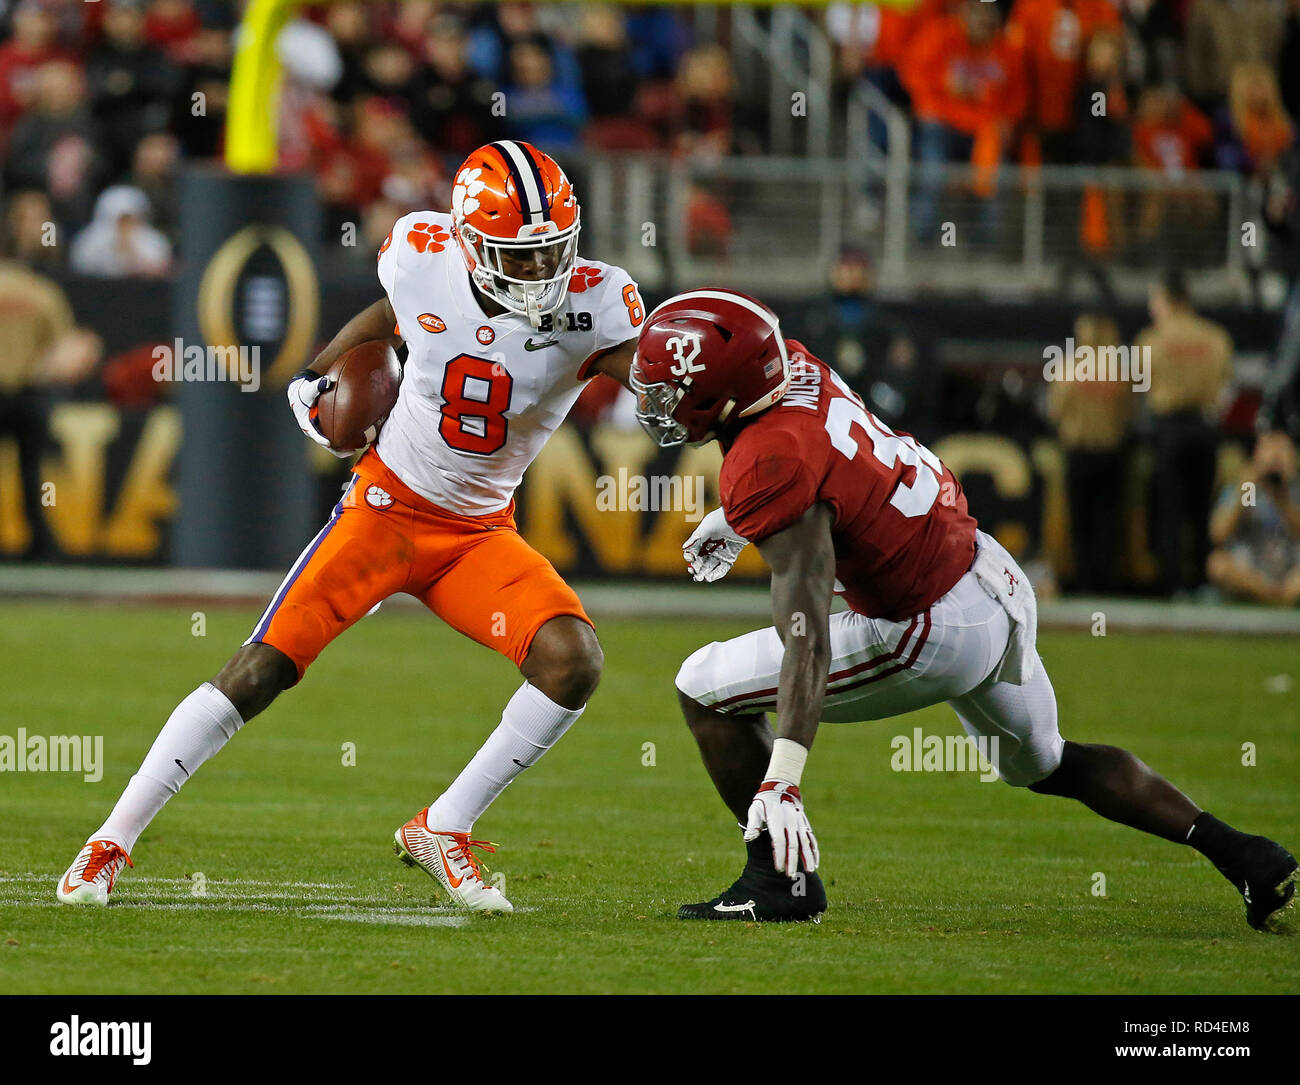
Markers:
{"x": 485, "y": 335}
{"x": 377, "y": 498}
{"x": 431, "y": 322}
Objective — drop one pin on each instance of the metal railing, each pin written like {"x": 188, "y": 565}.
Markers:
{"x": 769, "y": 222}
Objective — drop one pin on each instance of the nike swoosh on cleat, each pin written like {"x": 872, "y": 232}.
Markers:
{"x": 452, "y": 880}
{"x": 748, "y": 906}
{"x": 530, "y": 345}
{"x": 66, "y": 887}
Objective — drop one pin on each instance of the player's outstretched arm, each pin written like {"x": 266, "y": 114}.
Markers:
{"x": 802, "y": 558}
{"x": 617, "y": 362}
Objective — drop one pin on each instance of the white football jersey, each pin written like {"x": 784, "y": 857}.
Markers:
{"x": 480, "y": 395}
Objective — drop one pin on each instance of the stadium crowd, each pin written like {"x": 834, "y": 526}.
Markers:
{"x": 384, "y": 98}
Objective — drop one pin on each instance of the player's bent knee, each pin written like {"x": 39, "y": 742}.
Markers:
{"x": 692, "y": 679}
{"x": 565, "y": 661}
{"x": 254, "y": 676}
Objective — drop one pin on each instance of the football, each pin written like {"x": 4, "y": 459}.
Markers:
{"x": 366, "y": 379}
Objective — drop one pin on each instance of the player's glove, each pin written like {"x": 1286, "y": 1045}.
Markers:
{"x": 713, "y": 548}
{"x": 779, "y": 808}
{"x": 304, "y": 390}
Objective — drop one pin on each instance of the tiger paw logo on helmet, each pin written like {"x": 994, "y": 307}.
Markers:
{"x": 426, "y": 238}
{"x": 584, "y": 277}
{"x": 464, "y": 197}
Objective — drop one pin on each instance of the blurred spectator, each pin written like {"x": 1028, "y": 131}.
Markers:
{"x": 1092, "y": 418}
{"x": 502, "y": 27}
{"x": 1288, "y": 61}
{"x": 540, "y": 109}
{"x": 660, "y": 37}
{"x": 708, "y": 122}
{"x": 1253, "y": 128}
{"x": 968, "y": 92}
{"x": 43, "y": 347}
{"x": 153, "y": 172}
{"x": 875, "y": 351}
{"x": 132, "y": 84}
{"x": 55, "y": 145}
{"x": 608, "y": 80}
{"x": 1224, "y": 33}
{"x": 388, "y": 69}
{"x": 453, "y": 107}
{"x": 1256, "y": 527}
{"x": 172, "y": 25}
{"x": 30, "y": 232}
{"x": 200, "y": 114}
{"x": 1172, "y": 137}
{"x": 33, "y": 44}
{"x": 708, "y": 223}
{"x": 119, "y": 242}
{"x": 350, "y": 29}
{"x": 1102, "y": 138}
{"x": 1055, "y": 35}
{"x": 1191, "y": 366}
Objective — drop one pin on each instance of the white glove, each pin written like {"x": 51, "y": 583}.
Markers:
{"x": 712, "y": 549}
{"x": 779, "y": 808}
{"x": 304, "y": 390}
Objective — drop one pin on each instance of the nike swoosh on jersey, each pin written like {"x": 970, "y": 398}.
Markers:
{"x": 530, "y": 345}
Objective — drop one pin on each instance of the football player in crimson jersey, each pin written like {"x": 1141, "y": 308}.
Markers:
{"x": 502, "y": 325}
{"x": 938, "y": 610}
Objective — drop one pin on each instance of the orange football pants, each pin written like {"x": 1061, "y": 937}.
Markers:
{"x": 475, "y": 572}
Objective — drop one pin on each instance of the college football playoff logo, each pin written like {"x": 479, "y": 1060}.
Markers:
{"x": 685, "y": 348}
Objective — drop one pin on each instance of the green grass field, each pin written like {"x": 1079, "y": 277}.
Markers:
{"x": 937, "y": 882}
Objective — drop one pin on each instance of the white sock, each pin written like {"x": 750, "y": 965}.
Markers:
{"x": 197, "y": 728}
{"x": 530, "y": 725}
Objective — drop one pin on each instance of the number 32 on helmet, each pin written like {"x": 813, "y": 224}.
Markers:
{"x": 706, "y": 358}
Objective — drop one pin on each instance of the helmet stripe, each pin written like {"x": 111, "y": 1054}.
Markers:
{"x": 528, "y": 182}
{"x": 720, "y": 295}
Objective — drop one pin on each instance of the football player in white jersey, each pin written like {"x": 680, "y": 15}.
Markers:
{"x": 503, "y": 323}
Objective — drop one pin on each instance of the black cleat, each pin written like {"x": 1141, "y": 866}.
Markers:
{"x": 761, "y": 895}
{"x": 1264, "y": 873}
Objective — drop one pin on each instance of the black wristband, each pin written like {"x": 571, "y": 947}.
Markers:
{"x": 308, "y": 372}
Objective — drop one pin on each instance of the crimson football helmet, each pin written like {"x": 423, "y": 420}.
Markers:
{"x": 705, "y": 358}
{"x": 509, "y": 196}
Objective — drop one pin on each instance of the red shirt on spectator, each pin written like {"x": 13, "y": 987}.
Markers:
{"x": 17, "y": 77}
{"x": 1172, "y": 141}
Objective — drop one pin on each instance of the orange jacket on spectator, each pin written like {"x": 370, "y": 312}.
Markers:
{"x": 1172, "y": 141}
{"x": 897, "y": 26}
{"x": 1053, "y": 34}
{"x": 958, "y": 85}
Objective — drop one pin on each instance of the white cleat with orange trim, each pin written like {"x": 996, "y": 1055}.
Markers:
{"x": 90, "y": 878}
{"x": 447, "y": 858}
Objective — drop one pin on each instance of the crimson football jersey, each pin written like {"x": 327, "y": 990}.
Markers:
{"x": 903, "y": 536}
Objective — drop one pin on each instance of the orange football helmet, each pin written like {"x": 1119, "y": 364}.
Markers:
{"x": 509, "y": 197}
